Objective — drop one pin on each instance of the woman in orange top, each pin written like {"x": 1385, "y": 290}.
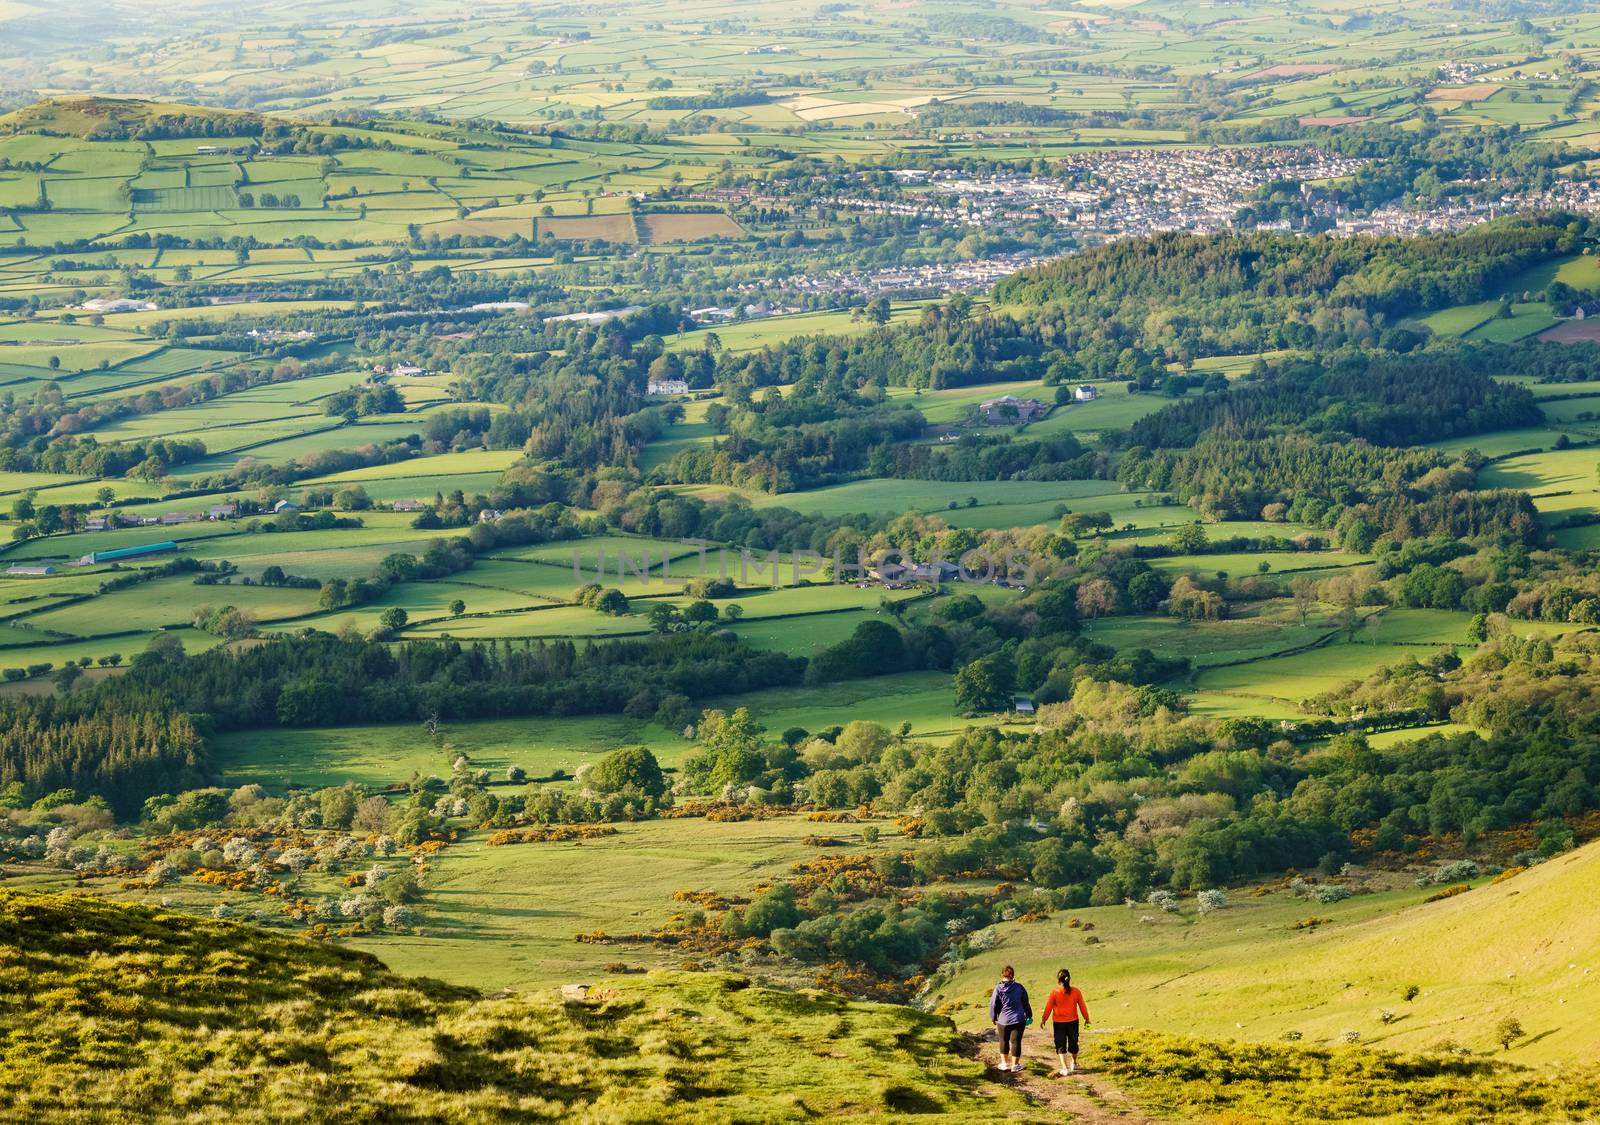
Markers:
{"x": 1063, "y": 1007}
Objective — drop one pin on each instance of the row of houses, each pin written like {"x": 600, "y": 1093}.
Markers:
{"x": 214, "y": 513}
{"x": 123, "y": 519}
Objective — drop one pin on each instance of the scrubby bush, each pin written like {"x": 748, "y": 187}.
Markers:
{"x": 1164, "y": 900}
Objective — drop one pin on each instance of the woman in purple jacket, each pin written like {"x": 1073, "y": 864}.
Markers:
{"x": 1010, "y": 1012}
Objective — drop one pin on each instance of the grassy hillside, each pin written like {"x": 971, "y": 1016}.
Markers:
{"x": 1526, "y": 947}
{"x": 114, "y": 1013}
{"x": 120, "y": 1013}
{"x": 1229, "y": 1083}
{"x": 92, "y": 116}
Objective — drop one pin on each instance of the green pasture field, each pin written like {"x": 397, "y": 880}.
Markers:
{"x": 1291, "y": 679}
{"x": 957, "y": 404}
{"x": 1208, "y": 643}
{"x": 1502, "y": 442}
{"x": 1563, "y": 482}
{"x": 14, "y": 635}
{"x": 1460, "y": 319}
{"x": 1384, "y": 739}
{"x": 1244, "y": 564}
{"x": 58, "y": 653}
{"x": 1137, "y": 510}
{"x": 421, "y": 468}
{"x": 388, "y": 754}
{"x": 802, "y": 636}
{"x": 1115, "y": 409}
{"x": 1551, "y": 471}
{"x": 166, "y": 603}
{"x": 386, "y": 490}
{"x": 312, "y": 555}
{"x": 220, "y": 425}
{"x": 48, "y": 331}
{"x": 1572, "y": 411}
{"x": 430, "y": 602}
{"x": 926, "y": 700}
{"x": 1579, "y": 538}
{"x": 309, "y": 434}
{"x": 932, "y": 497}
{"x": 809, "y": 598}
{"x": 1526, "y": 320}
{"x": 1480, "y": 322}
{"x": 1581, "y": 271}
{"x": 585, "y": 554}
{"x": 692, "y": 431}
{"x": 25, "y": 592}
{"x": 554, "y": 622}
{"x": 507, "y": 915}
{"x": 86, "y": 493}
{"x": 629, "y": 877}
{"x": 77, "y": 356}
{"x": 752, "y": 335}
{"x": 15, "y": 482}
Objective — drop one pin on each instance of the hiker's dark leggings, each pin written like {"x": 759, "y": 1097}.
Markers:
{"x": 1066, "y": 1037}
{"x": 1011, "y": 1039}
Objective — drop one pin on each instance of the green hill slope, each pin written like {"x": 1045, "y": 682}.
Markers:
{"x": 115, "y": 1013}
{"x": 1527, "y": 947}
{"x": 101, "y": 117}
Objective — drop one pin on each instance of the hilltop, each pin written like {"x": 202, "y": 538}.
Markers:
{"x": 124, "y": 1013}
{"x": 105, "y": 118}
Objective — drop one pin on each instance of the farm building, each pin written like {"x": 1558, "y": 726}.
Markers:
{"x": 30, "y": 571}
{"x": 935, "y": 571}
{"x": 667, "y": 387}
{"x": 921, "y": 572}
{"x": 409, "y": 505}
{"x": 1086, "y": 392}
{"x": 1009, "y": 409}
{"x": 222, "y": 511}
{"x": 286, "y": 506}
{"x": 116, "y": 305}
{"x": 489, "y": 515}
{"x": 595, "y": 317}
{"x": 1023, "y": 705}
{"x": 122, "y": 554}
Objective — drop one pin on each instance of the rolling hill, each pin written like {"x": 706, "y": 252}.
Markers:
{"x": 116, "y": 1013}
{"x": 1525, "y": 947}
{"x": 103, "y": 118}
